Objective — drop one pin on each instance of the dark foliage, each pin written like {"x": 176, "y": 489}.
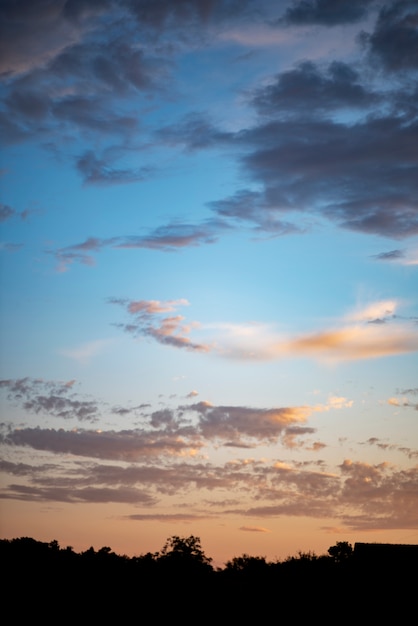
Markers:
{"x": 43, "y": 580}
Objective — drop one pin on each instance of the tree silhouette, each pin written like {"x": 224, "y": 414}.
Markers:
{"x": 184, "y": 555}
{"x": 245, "y": 589}
{"x": 341, "y": 551}
{"x": 248, "y": 565}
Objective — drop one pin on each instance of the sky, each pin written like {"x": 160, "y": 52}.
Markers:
{"x": 209, "y": 261}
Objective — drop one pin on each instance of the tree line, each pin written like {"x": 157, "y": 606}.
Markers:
{"x": 181, "y": 580}
{"x": 183, "y": 555}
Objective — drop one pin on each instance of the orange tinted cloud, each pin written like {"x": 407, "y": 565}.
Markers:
{"x": 373, "y": 331}
{"x": 354, "y": 342}
{"x": 255, "y": 529}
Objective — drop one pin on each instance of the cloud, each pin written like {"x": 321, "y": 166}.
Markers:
{"x": 50, "y": 398}
{"x": 309, "y": 151}
{"x": 376, "y": 310}
{"x": 6, "y": 212}
{"x": 413, "y": 392}
{"x": 404, "y": 402}
{"x": 379, "y": 493}
{"x": 87, "y": 351}
{"x": 337, "y": 112}
{"x": 36, "y": 31}
{"x": 92, "y": 495}
{"x": 174, "y": 236}
{"x": 162, "y": 15}
{"x": 77, "y": 72}
{"x": 126, "y": 445}
{"x": 151, "y": 307}
{"x": 373, "y": 331}
{"x": 194, "y": 132}
{"x": 10, "y": 247}
{"x": 338, "y": 402}
{"x": 392, "y": 255}
{"x": 235, "y": 423}
{"x": 411, "y": 453}
{"x": 325, "y": 12}
{"x": 377, "y": 496}
{"x": 70, "y": 68}
{"x": 361, "y": 495}
{"x": 353, "y": 343}
{"x": 254, "y": 529}
{"x": 169, "y": 238}
{"x": 308, "y": 89}
{"x": 183, "y": 430}
{"x": 101, "y": 171}
{"x": 78, "y": 252}
{"x": 282, "y": 160}
{"x": 147, "y": 321}
{"x": 170, "y": 518}
{"x": 394, "y": 42}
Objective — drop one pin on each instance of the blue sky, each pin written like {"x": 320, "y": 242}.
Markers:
{"x": 209, "y": 230}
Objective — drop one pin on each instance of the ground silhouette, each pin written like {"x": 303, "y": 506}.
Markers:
{"x": 43, "y": 580}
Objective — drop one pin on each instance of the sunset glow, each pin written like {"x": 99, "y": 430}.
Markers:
{"x": 209, "y": 235}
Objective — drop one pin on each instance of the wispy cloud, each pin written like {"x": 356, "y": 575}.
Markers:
{"x": 86, "y": 352}
{"x": 166, "y": 238}
{"x": 168, "y": 518}
{"x": 147, "y": 321}
{"x": 254, "y": 529}
{"x": 373, "y": 331}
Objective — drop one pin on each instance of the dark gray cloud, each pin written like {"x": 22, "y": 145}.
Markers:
{"x": 125, "y": 445}
{"x": 194, "y": 132}
{"x": 70, "y": 66}
{"x": 163, "y": 15}
{"x": 65, "y": 408}
{"x": 392, "y": 255}
{"x": 176, "y": 235}
{"x": 307, "y": 89}
{"x": 408, "y": 392}
{"x": 50, "y": 398}
{"x": 170, "y": 237}
{"x": 336, "y": 140}
{"x": 10, "y": 247}
{"x": 6, "y": 212}
{"x": 364, "y": 179}
{"x": 328, "y": 142}
{"x": 169, "y": 518}
{"x": 41, "y": 104}
{"x": 234, "y": 423}
{"x": 113, "y": 65}
{"x": 411, "y": 453}
{"x": 253, "y": 208}
{"x": 31, "y": 31}
{"x": 69, "y": 69}
{"x": 92, "y": 495}
{"x": 394, "y": 41}
{"x": 101, "y": 171}
{"x": 326, "y": 12}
